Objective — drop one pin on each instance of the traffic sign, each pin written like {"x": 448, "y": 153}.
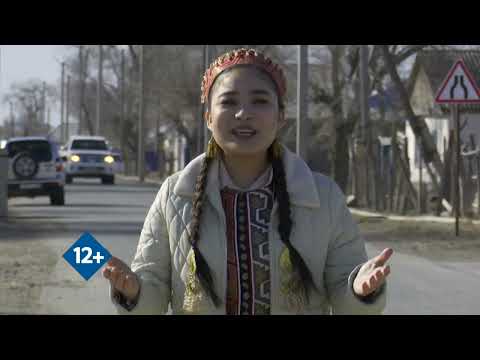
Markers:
{"x": 459, "y": 87}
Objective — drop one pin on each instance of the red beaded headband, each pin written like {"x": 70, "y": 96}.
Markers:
{"x": 241, "y": 57}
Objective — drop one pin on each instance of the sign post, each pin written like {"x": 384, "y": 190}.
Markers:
{"x": 456, "y": 204}
{"x": 459, "y": 88}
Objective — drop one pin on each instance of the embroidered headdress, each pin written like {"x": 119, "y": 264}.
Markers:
{"x": 243, "y": 57}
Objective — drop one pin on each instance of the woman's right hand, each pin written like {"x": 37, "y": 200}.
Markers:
{"x": 122, "y": 278}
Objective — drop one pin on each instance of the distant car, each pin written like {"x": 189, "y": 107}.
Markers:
{"x": 35, "y": 169}
{"x": 88, "y": 157}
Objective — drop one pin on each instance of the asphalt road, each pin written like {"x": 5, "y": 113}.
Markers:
{"x": 115, "y": 214}
{"x": 418, "y": 286}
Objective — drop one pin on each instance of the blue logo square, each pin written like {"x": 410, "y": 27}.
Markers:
{"x": 87, "y": 256}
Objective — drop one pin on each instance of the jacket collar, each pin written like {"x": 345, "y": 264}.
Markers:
{"x": 300, "y": 180}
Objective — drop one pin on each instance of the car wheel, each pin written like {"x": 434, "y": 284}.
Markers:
{"x": 68, "y": 179}
{"x": 24, "y": 166}
{"x": 57, "y": 198}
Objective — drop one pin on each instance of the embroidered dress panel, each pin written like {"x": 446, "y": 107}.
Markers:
{"x": 248, "y": 258}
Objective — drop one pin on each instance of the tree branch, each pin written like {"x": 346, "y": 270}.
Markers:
{"x": 134, "y": 56}
{"x": 407, "y": 52}
{"x": 418, "y": 125}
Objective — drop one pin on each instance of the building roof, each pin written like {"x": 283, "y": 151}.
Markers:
{"x": 437, "y": 64}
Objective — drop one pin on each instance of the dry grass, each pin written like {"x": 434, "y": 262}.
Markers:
{"x": 436, "y": 241}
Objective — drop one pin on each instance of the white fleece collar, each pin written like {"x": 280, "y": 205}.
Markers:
{"x": 225, "y": 179}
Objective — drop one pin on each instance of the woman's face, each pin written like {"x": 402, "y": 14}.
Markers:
{"x": 244, "y": 112}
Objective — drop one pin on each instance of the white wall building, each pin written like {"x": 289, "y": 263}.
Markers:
{"x": 429, "y": 71}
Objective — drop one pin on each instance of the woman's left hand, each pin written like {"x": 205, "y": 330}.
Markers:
{"x": 372, "y": 274}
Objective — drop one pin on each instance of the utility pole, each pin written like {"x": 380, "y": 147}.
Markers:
{"x": 141, "y": 154}
{"x": 1, "y": 75}
{"x": 122, "y": 114}
{"x": 157, "y": 140}
{"x": 208, "y": 58}
{"x": 62, "y": 105}
{"x": 4, "y": 164}
{"x": 303, "y": 122}
{"x": 44, "y": 103}
{"x": 364, "y": 110}
{"x": 67, "y": 110}
{"x": 364, "y": 89}
{"x": 12, "y": 120}
{"x": 1, "y": 95}
{"x": 202, "y": 123}
{"x": 80, "y": 98}
{"x": 99, "y": 90}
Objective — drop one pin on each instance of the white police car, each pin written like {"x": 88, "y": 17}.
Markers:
{"x": 88, "y": 157}
{"x": 35, "y": 169}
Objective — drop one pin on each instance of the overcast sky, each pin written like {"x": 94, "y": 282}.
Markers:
{"x": 23, "y": 62}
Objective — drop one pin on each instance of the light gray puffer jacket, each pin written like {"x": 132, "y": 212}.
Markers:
{"x": 323, "y": 232}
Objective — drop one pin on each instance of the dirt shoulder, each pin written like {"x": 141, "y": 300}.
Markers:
{"x": 28, "y": 256}
{"x": 429, "y": 239}
{"x": 25, "y": 268}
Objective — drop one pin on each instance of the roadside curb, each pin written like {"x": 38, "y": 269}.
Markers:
{"x": 423, "y": 218}
{"x": 136, "y": 178}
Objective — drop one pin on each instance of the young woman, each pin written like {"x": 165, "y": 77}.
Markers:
{"x": 248, "y": 228}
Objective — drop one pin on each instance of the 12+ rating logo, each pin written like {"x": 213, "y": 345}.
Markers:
{"x": 87, "y": 256}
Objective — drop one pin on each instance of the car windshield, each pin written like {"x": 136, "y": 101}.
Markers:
{"x": 40, "y": 150}
{"x": 89, "y": 145}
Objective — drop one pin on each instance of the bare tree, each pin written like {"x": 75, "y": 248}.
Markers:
{"x": 84, "y": 87}
{"x": 28, "y": 100}
{"x": 418, "y": 125}
{"x": 341, "y": 94}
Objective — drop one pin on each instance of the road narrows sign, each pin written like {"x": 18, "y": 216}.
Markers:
{"x": 459, "y": 87}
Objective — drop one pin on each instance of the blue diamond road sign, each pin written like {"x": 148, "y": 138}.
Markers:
{"x": 87, "y": 255}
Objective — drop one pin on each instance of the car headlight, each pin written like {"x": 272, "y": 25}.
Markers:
{"x": 75, "y": 158}
{"x": 109, "y": 159}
